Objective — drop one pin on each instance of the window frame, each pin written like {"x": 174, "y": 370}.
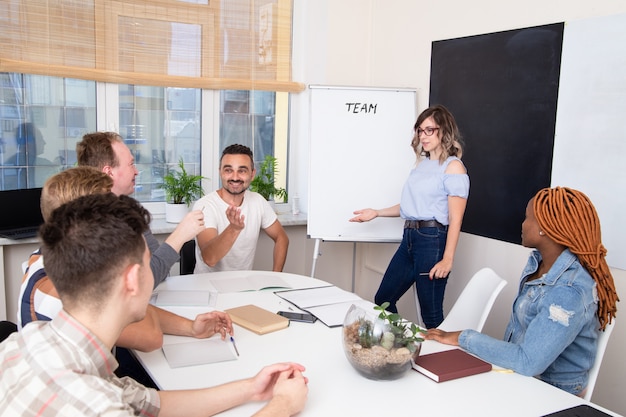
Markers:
{"x": 107, "y": 118}
{"x": 107, "y": 97}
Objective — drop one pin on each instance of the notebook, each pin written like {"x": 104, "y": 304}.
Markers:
{"x": 199, "y": 352}
{"x": 183, "y": 298}
{"x": 582, "y": 410}
{"x": 257, "y": 319}
{"x": 20, "y": 213}
{"x": 450, "y": 364}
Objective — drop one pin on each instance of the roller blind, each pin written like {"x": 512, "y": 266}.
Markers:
{"x": 228, "y": 44}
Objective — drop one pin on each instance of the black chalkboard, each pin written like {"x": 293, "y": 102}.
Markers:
{"x": 502, "y": 89}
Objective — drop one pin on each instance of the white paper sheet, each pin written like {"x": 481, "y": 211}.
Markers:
{"x": 313, "y": 297}
{"x": 249, "y": 283}
{"x": 199, "y": 352}
{"x": 184, "y": 298}
{"x": 333, "y": 315}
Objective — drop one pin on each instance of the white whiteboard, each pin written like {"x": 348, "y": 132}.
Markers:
{"x": 590, "y": 135}
{"x": 360, "y": 157}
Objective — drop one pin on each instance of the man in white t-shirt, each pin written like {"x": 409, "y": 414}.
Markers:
{"x": 233, "y": 217}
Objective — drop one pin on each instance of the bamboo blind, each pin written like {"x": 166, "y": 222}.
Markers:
{"x": 227, "y": 44}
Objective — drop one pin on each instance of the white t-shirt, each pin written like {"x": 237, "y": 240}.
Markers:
{"x": 258, "y": 215}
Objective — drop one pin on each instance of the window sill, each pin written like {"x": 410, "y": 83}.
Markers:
{"x": 160, "y": 226}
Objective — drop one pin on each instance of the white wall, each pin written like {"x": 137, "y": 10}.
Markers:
{"x": 387, "y": 43}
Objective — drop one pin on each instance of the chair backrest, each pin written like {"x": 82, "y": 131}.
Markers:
{"x": 188, "y": 257}
{"x": 471, "y": 309}
{"x": 603, "y": 341}
{"x": 6, "y": 328}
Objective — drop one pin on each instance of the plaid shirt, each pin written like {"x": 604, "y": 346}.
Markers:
{"x": 59, "y": 368}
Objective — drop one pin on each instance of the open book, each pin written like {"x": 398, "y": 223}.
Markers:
{"x": 329, "y": 303}
{"x": 317, "y": 296}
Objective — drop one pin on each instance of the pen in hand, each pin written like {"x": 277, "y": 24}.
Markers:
{"x": 232, "y": 339}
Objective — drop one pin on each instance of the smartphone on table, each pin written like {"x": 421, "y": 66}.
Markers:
{"x": 293, "y": 316}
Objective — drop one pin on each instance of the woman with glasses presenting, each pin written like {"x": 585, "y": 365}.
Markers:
{"x": 432, "y": 203}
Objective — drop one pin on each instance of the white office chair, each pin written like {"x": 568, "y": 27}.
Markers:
{"x": 471, "y": 309}
{"x": 603, "y": 341}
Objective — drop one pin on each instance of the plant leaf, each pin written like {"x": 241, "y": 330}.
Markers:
{"x": 181, "y": 187}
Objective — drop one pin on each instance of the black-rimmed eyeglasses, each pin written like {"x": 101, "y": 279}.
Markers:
{"x": 427, "y": 131}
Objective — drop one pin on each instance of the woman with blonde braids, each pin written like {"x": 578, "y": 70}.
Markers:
{"x": 566, "y": 295}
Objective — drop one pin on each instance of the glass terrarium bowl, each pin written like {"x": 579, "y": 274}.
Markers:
{"x": 372, "y": 348}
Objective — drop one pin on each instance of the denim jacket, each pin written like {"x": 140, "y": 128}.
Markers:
{"x": 553, "y": 329}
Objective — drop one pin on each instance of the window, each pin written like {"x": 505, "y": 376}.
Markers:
{"x": 161, "y": 126}
{"x": 235, "y": 52}
{"x": 234, "y": 44}
{"x": 250, "y": 118}
{"x": 43, "y": 118}
{"x": 247, "y": 117}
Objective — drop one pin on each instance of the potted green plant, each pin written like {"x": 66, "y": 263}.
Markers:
{"x": 380, "y": 346}
{"x": 181, "y": 189}
{"x": 263, "y": 182}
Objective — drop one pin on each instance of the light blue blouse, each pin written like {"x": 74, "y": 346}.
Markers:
{"x": 426, "y": 191}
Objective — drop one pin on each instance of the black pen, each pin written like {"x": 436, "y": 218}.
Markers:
{"x": 232, "y": 339}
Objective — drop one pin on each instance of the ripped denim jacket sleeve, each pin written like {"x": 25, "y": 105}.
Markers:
{"x": 552, "y": 332}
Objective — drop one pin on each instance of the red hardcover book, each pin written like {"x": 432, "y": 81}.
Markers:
{"x": 450, "y": 364}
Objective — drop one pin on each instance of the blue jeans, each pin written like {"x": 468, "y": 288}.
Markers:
{"x": 419, "y": 251}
